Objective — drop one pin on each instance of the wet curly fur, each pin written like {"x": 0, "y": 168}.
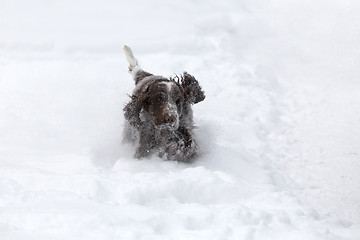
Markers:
{"x": 159, "y": 117}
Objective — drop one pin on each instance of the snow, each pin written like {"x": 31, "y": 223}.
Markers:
{"x": 279, "y": 129}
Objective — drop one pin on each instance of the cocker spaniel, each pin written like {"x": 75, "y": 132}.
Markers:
{"x": 159, "y": 117}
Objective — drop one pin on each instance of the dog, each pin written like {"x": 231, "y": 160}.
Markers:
{"x": 159, "y": 117}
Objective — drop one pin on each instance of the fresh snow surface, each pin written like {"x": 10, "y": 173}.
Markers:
{"x": 279, "y": 129}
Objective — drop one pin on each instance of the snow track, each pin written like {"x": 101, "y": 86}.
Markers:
{"x": 278, "y": 129}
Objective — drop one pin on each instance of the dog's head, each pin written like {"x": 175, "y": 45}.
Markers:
{"x": 162, "y": 100}
{"x": 164, "y": 104}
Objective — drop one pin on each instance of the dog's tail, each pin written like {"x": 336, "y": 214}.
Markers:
{"x": 133, "y": 63}
{"x": 134, "y": 67}
{"x": 130, "y": 58}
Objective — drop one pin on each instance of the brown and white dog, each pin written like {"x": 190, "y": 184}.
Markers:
{"x": 159, "y": 115}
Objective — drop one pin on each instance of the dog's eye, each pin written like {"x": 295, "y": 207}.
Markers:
{"x": 161, "y": 98}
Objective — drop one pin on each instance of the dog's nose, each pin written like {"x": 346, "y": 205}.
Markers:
{"x": 169, "y": 119}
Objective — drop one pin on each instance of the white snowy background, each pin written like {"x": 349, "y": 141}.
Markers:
{"x": 279, "y": 129}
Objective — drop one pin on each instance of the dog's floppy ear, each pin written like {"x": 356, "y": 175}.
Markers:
{"x": 132, "y": 110}
{"x": 191, "y": 89}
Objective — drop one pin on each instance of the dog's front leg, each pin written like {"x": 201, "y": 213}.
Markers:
{"x": 145, "y": 146}
{"x": 181, "y": 147}
{"x": 190, "y": 150}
